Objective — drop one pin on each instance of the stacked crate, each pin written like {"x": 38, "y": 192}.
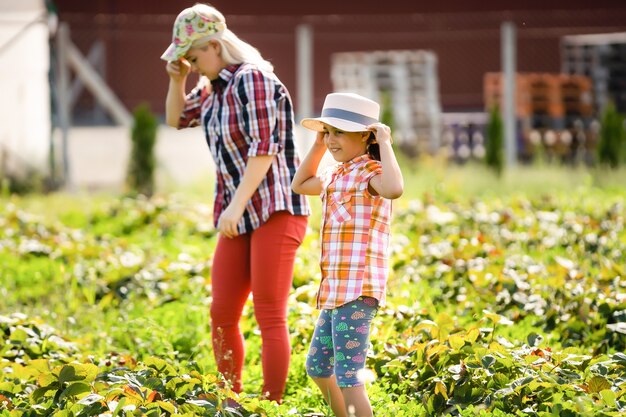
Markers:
{"x": 353, "y": 72}
{"x": 405, "y": 83}
{"x": 554, "y": 109}
{"x": 602, "y": 58}
{"x": 463, "y": 136}
{"x": 493, "y": 89}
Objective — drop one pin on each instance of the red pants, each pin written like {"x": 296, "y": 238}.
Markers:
{"x": 260, "y": 262}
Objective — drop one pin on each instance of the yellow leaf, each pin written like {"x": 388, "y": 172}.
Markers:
{"x": 41, "y": 365}
{"x": 440, "y": 388}
{"x": 435, "y": 349}
{"x": 430, "y": 327}
{"x": 609, "y": 397}
{"x": 472, "y": 335}
{"x": 43, "y": 380}
{"x": 456, "y": 341}
{"x": 497, "y": 347}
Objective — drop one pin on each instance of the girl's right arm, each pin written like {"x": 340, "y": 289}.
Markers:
{"x": 175, "y": 100}
{"x": 306, "y": 180}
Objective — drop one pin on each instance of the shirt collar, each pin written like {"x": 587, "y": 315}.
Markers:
{"x": 225, "y": 75}
{"x": 349, "y": 165}
{"x": 356, "y": 160}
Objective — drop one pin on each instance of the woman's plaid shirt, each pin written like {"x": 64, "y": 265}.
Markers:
{"x": 354, "y": 235}
{"x": 246, "y": 113}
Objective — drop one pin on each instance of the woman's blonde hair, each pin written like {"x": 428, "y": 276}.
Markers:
{"x": 234, "y": 50}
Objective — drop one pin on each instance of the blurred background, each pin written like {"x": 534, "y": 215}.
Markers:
{"x": 73, "y": 73}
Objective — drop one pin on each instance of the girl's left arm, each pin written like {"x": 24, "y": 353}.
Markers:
{"x": 390, "y": 183}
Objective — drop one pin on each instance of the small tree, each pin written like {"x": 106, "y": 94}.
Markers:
{"x": 140, "y": 176}
{"x": 494, "y": 157}
{"x": 386, "y": 109}
{"x": 611, "y": 143}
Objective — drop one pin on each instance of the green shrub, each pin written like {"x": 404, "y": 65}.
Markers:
{"x": 495, "y": 141}
{"x": 612, "y": 143}
{"x": 140, "y": 177}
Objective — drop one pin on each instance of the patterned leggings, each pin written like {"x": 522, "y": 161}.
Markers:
{"x": 341, "y": 340}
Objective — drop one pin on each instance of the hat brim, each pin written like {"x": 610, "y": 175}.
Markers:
{"x": 174, "y": 52}
{"x": 317, "y": 124}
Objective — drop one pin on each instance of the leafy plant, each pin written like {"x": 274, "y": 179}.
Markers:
{"x": 494, "y": 157}
{"x": 612, "y": 141}
{"x": 140, "y": 176}
{"x": 507, "y": 306}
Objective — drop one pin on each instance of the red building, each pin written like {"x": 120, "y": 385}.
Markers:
{"x": 464, "y": 34}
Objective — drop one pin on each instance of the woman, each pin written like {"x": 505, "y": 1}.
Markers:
{"x": 247, "y": 117}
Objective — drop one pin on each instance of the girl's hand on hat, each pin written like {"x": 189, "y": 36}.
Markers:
{"x": 178, "y": 70}
{"x": 319, "y": 138}
{"x": 382, "y": 133}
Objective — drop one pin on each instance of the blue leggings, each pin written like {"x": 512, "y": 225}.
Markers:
{"x": 341, "y": 340}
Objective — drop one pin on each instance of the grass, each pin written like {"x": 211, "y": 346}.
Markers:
{"x": 424, "y": 178}
{"x": 453, "y": 181}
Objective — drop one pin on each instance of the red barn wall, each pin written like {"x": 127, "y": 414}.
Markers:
{"x": 464, "y": 34}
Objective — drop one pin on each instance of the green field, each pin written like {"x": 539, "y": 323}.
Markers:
{"x": 507, "y": 298}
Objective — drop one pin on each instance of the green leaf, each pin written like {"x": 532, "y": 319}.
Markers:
{"x": 8, "y": 386}
{"x": 488, "y": 361}
{"x": 520, "y": 382}
{"x": 167, "y": 406}
{"x": 78, "y": 372}
{"x": 68, "y": 374}
{"x": 609, "y": 397}
{"x": 91, "y": 399}
{"x": 573, "y": 359}
{"x": 19, "y": 335}
{"x": 571, "y": 375}
{"x": 534, "y": 339}
{"x": 40, "y": 392}
{"x": 500, "y": 379}
{"x": 597, "y": 384}
{"x": 619, "y": 357}
{"x": 75, "y": 389}
{"x": 160, "y": 365}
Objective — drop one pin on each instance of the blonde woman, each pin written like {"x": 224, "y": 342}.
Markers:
{"x": 247, "y": 117}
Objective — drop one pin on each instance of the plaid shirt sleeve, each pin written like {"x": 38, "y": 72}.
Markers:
{"x": 259, "y": 96}
{"x": 371, "y": 169}
{"x": 191, "y": 115}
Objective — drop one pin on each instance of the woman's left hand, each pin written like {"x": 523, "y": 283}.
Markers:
{"x": 227, "y": 224}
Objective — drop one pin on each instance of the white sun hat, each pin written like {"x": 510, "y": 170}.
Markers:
{"x": 345, "y": 111}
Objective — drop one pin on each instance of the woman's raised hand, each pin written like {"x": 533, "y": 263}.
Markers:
{"x": 178, "y": 70}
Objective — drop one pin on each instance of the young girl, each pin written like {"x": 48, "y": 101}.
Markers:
{"x": 356, "y": 196}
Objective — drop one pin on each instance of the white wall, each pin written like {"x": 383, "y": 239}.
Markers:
{"x": 25, "y": 92}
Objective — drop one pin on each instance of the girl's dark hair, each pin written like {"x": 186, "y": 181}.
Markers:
{"x": 373, "y": 150}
